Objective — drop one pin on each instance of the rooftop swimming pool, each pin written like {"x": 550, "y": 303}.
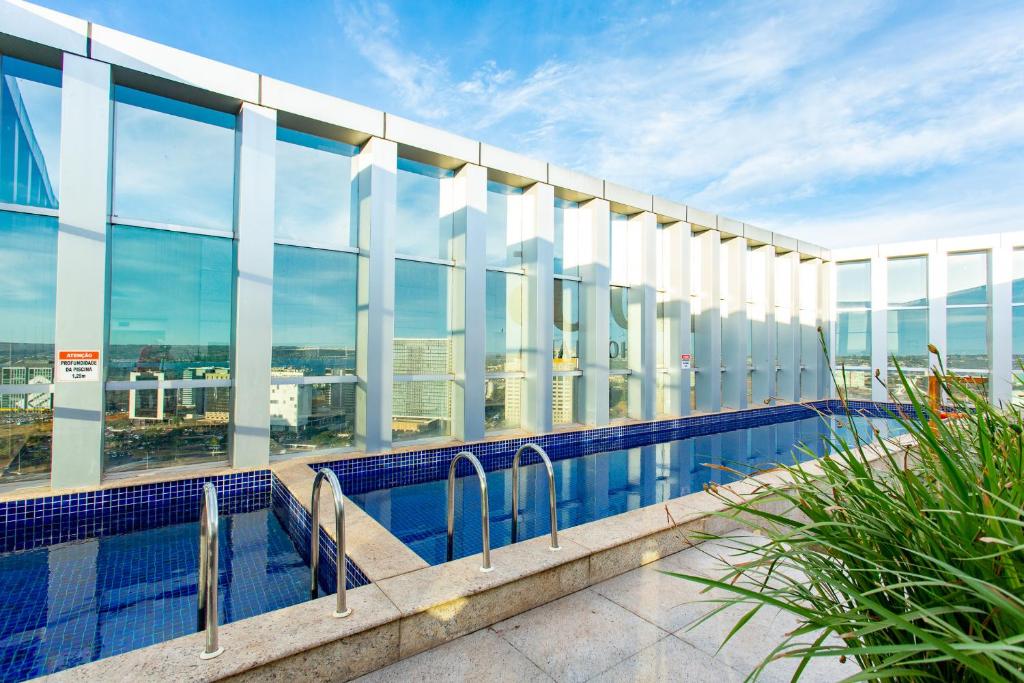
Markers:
{"x": 592, "y": 484}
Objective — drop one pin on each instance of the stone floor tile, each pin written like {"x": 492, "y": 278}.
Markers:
{"x": 663, "y": 600}
{"x": 670, "y": 659}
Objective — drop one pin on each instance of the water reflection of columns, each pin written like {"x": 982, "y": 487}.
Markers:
{"x": 74, "y": 609}
{"x": 648, "y": 475}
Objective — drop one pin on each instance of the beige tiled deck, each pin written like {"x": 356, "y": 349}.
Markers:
{"x": 633, "y": 627}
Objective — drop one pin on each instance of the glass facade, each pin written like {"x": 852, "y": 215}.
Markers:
{"x": 424, "y": 216}
{"x": 565, "y": 351}
{"x": 504, "y": 225}
{"x": 566, "y": 239}
{"x": 853, "y": 328}
{"x": 29, "y": 133}
{"x": 968, "y": 328}
{"x": 907, "y": 318}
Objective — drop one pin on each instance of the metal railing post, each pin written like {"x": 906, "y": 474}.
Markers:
{"x": 485, "y": 515}
{"x": 206, "y": 614}
{"x": 341, "y": 609}
{"x": 551, "y": 493}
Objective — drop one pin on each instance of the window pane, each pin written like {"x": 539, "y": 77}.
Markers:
{"x": 967, "y": 332}
{"x": 315, "y": 196}
{"x": 853, "y": 338}
{"x": 309, "y": 417}
{"x": 421, "y": 409}
{"x": 1018, "y": 339}
{"x": 908, "y": 281}
{"x": 916, "y": 379}
{"x": 314, "y": 312}
{"x": 151, "y": 428}
{"x": 1018, "y": 276}
{"x": 853, "y": 284}
{"x": 170, "y": 303}
{"x": 29, "y": 133}
{"x": 968, "y": 278}
{"x": 423, "y": 343}
{"x": 618, "y": 328}
{"x": 504, "y": 322}
{"x": 618, "y": 245}
{"x": 28, "y": 296}
{"x": 563, "y": 399}
{"x": 857, "y": 384}
{"x": 26, "y": 427}
{"x": 566, "y": 238}
{"x": 567, "y": 325}
{"x": 908, "y": 337}
{"x": 173, "y": 162}
{"x": 502, "y": 403}
{"x": 422, "y": 228}
{"x": 618, "y": 396}
{"x": 504, "y": 225}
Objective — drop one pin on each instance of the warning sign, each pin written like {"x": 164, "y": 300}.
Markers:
{"x": 78, "y": 366}
{"x": 685, "y": 361}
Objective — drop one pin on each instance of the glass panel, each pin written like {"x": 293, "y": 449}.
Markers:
{"x": 618, "y": 328}
{"x": 967, "y": 338}
{"x": 151, "y": 428}
{"x": 618, "y": 396}
{"x": 1018, "y": 276}
{"x": 853, "y": 284}
{"x": 857, "y": 384}
{"x": 502, "y": 403}
{"x": 29, "y": 133}
{"x": 173, "y": 162}
{"x": 563, "y": 399}
{"x": 421, "y": 409}
{"x": 26, "y": 426}
{"x": 423, "y": 335}
{"x": 565, "y": 353}
{"x": 853, "y": 338}
{"x": 310, "y": 417}
{"x": 908, "y": 281}
{"x": 1018, "y": 339}
{"x": 968, "y": 278}
{"x": 314, "y": 312}
{"x": 422, "y": 229}
{"x": 28, "y": 296}
{"x": 618, "y": 248}
{"x": 566, "y": 238}
{"x": 504, "y": 322}
{"x": 170, "y": 303}
{"x": 908, "y": 337}
{"x": 316, "y": 191}
{"x": 897, "y": 389}
{"x": 504, "y": 225}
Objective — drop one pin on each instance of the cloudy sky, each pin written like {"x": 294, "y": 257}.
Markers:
{"x": 838, "y": 123}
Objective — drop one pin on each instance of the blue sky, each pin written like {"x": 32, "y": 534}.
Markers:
{"x": 839, "y": 123}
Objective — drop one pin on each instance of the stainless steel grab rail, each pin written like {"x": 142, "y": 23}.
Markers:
{"x": 340, "y": 609}
{"x": 551, "y": 493}
{"x": 485, "y": 515}
{"x": 206, "y": 614}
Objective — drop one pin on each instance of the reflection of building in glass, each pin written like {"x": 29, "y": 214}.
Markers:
{"x": 146, "y": 404}
{"x": 562, "y": 402}
{"x": 26, "y": 375}
{"x": 290, "y": 404}
{"x": 31, "y": 179}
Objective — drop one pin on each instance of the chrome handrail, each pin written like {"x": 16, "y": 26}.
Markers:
{"x": 485, "y": 515}
{"x": 206, "y": 614}
{"x": 551, "y": 493}
{"x": 340, "y": 609}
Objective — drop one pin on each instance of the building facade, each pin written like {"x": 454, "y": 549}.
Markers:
{"x": 266, "y": 270}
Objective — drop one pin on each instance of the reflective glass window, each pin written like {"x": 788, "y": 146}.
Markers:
{"x": 563, "y": 399}
{"x": 504, "y": 225}
{"x": 967, "y": 338}
{"x": 1018, "y": 339}
{"x": 424, "y": 223}
{"x": 853, "y": 284}
{"x": 29, "y": 133}
{"x": 618, "y": 328}
{"x": 908, "y": 281}
{"x": 316, "y": 191}
{"x": 503, "y": 403}
{"x": 423, "y": 336}
{"x": 853, "y": 332}
{"x": 908, "y": 336}
{"x": 504, "y": 322}
{"x": 967, "y": 281}
{"x": 1018, "y": 276}
{"x": 174, "y": 162}
{"x": 618, "y": 248}
{"x": 311, "y": 417}
{"x": 618, "y": 396}
{"x": 421, "y": 409}
{"x": 565, "y": 353}
{"x": 28, "y": 296}
{"x": 566, "y": 238}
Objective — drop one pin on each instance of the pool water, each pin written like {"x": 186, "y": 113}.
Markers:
{"x": 597, "y": 485}
{"x": 76, "y": 602}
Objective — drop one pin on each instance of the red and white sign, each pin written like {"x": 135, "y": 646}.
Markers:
{"x": 78, "y": 366}
{"x": 685, "y": 361}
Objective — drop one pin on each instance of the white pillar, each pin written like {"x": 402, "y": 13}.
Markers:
{"x": 375, "y": 320}
{"x": 879, "y": 326}
{"x": 789, "y": 330}
{"x": 538, "y": 262}
{"x": 594, "y": 217}
{"x": 734, "y": 325}
{"x": 642, "y": 354}
{"x": 676, "y": 267}
{"x": 82, "y": 267}
{"x": 469, "y": 287}
{"x": 709, "y": 330}
{"x": 1003, "y": 369}
{"x": 249, "y": 432}
{"x": 763, "y": 353}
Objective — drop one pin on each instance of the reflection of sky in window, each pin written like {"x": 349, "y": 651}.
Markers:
{"x": 853, "y": 284}
{"x": 173, "y": 162}
{"x": 908, "y": 281}
{"x": 314, "y": 190}
{"x": 618, "y": 243}
{"x": 1018, "y": 276}
{"x": 314, "y": 298}
{"x": 967, "y": 281}
{"x": 566, "y": 237}
{"x": 908, "y": 332}
{"x": 566, "y": 319}
{"x": 504, "y": 320}
{"x": 967, "y": 332}
{"x": 421, "y": 300}
{"x": 420, "y": 228}
{"x": 504, "y": 225}
{"x": 28, "y": 289}
{"x": 853, "y": 329}
{"x": 38, "y": 89}
{"x": 618, "y": 326}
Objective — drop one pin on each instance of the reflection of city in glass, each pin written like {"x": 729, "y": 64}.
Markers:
{"x": 29, "y": 133}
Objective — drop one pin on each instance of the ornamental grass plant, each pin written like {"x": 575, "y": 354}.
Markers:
{"x": 904, "y": 554}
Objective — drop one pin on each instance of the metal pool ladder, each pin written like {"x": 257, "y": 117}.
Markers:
{"x": 485, "y": 515}
{"x": 206, "y": 614}
{"x": 340, "y": 609}
{"x": 551, "y": 492}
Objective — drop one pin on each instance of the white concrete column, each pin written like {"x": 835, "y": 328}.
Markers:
{"x": 249, "y": 433}
{"x": 879, "y": 325}
{"x": 594, "y": 217}
{"x": 708, "y": 353}
{"x": 789, "y": 330}
{"x": 676, "y": 267}
{"x": 375, "y": 320}
{"x": 642, "y": 353}
{"x": 1003, "y": 369}
{"x": 734, "y": 324}
{"x": 937, "y": 286}
{"x": 539, "y": 264}
{"x": 763, "y": 354}
{"x": 469, "y": 287}
{"x": 81, "y": 315}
